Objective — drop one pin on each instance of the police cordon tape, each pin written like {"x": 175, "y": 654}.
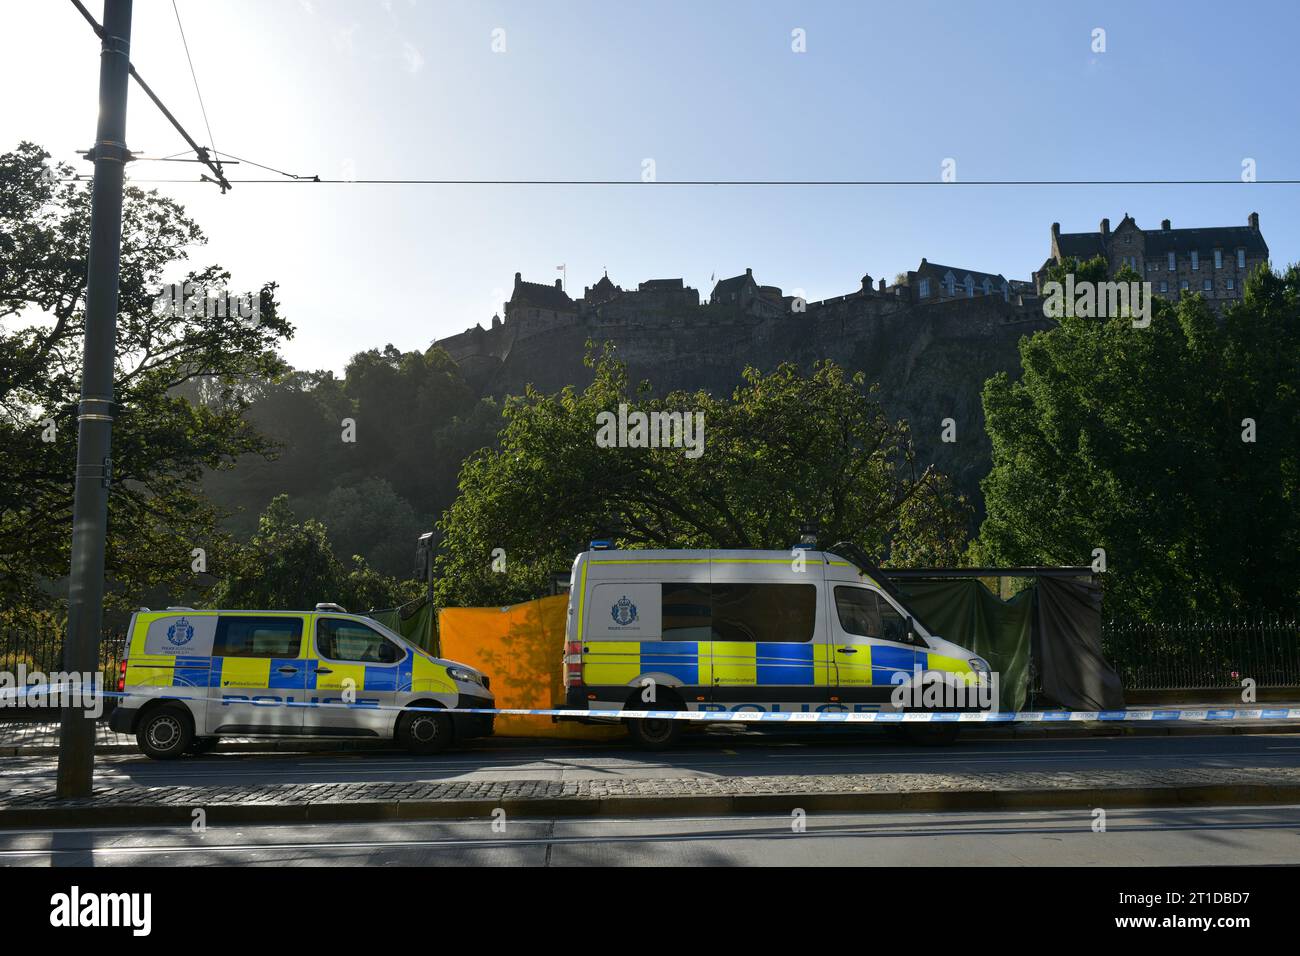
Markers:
{"x": 737, "y": 715}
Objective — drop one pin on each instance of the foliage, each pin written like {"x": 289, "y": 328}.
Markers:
{"x": 1131, "y": 440}
{"x": 163, "y": 439}
{"x": 786, "y": 450}
{"x": 289, "y": 564}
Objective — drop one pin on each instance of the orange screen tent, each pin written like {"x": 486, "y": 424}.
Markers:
{"x": 521, "y": 649}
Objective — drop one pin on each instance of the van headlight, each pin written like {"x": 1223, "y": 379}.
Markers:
{"x": 465, "y": 674}
{"x": 980, "y": 666}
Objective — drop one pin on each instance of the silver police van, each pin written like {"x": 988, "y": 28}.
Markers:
{"x": 191, "y": 677}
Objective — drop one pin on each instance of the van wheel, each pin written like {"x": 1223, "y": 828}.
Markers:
{"x": 165, "y": 733}
{"x": 655, "y": 734}
{"x": 423, "y": 732}
{"x": 932, "y": 735}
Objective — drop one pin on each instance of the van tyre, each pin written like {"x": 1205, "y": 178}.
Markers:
{"x": 655, "y": 734}
{"x": 424, "y": 732}
{"x": 165, "y": 733}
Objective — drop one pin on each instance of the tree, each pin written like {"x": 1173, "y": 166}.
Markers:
{"x": 784, "y": 451}
{"x": 415, "y": 421}
{"x": 162, "y": 440}
{"x": 369, "y": 518}
{"x": 1131, "y": 440}
{"x": 289, "y": 564}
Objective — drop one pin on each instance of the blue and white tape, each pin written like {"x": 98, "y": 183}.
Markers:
{"x": 740, "y": 713}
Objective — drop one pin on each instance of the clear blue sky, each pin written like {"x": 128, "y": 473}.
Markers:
{"x": 708, "y": 90}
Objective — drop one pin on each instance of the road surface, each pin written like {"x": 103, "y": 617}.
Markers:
{"x": 1252, "y": 835}
{"x": 709, "y": 755}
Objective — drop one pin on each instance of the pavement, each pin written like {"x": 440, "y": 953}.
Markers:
{"x": 19, "y": 737}
{"x": 712, "y": 774}
{"x": 1136, "y": 837}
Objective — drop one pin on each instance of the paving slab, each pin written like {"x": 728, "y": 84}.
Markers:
{"x": 634, "y": 796}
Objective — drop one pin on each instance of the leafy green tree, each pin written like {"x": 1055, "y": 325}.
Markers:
{"x": 370, "y": 518}
{"x": 289, "y": 564}
{"x": 163, "y": 437}
{"x": 784, "y": 451}
{"x": 1131, "y": 440}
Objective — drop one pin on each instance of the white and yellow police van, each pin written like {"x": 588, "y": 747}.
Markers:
{"x": 745, "y": 631}
{"x": 190, "y": 677}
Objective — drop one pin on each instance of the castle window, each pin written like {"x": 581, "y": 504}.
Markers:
{"x": 1164, "y": 285}
{"x": 1173, "y": 263}
{"x": 924, "y": 290}
{"x": 1241, "y": 258}
{"x": 1218, "y": 258}
{"x": 1208, "y": 285}
{"x": 1183, "y": 285}
{"x": 950, "y": 284}
{"x": 1232, "y": 283}
{"x": 1196, "y": 261}
{"x": 969, "y": 283}
{"x": 988, "y": 287}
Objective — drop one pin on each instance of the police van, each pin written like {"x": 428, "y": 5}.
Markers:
{"x": 747, "y": 631}
{"x": 190, "y": 677}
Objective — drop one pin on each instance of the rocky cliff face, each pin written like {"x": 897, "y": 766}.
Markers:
{"x": 931, "y": 361}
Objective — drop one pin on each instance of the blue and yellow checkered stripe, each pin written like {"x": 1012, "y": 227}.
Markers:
{"x": 412, "y": 674}
{"x": 758, "y": 664}
{"x": 702, "y": 663}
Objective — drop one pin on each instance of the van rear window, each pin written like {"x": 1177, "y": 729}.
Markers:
{"x": 258, "y": 637}
{"x": 686, "y": 611}
{"x": 772, "y": 613}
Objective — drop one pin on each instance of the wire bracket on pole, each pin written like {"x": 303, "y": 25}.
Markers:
{"x": 109, "y": 151}
{"x": 118, "y": 45}
{"x": 103, "y": 472}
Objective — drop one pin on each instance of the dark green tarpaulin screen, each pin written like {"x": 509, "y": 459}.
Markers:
{"x": 413, "y": 621}
{"x": 965, "y": 612}
{"x": 1067, "y": 647}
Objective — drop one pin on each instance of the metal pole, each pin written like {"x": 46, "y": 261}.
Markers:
{"x": 95, "y": 413}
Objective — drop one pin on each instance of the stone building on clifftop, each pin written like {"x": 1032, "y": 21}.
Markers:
{"x": 1213, "y": 261}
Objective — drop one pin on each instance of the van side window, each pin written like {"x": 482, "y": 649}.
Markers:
{"x": 863, "y": 613}
{"x": 686, "y": 611}
{"x": 774, "y": 613}
{"x": 341, "y": 640}
{"x": 258, "y": 637}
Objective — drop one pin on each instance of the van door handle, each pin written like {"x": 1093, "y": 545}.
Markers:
{"x": 846, "y": 650}
{"x": 286, "y": 670}
{"x": 323, "y": 670}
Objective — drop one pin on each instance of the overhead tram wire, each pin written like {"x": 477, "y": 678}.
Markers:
{"x": 212, "y": 160}
{"x": 271, "y": 169}
{"x": 199, "y": 151}
{"x": 295, "y": 179}
{"x": 195, "y": 77}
